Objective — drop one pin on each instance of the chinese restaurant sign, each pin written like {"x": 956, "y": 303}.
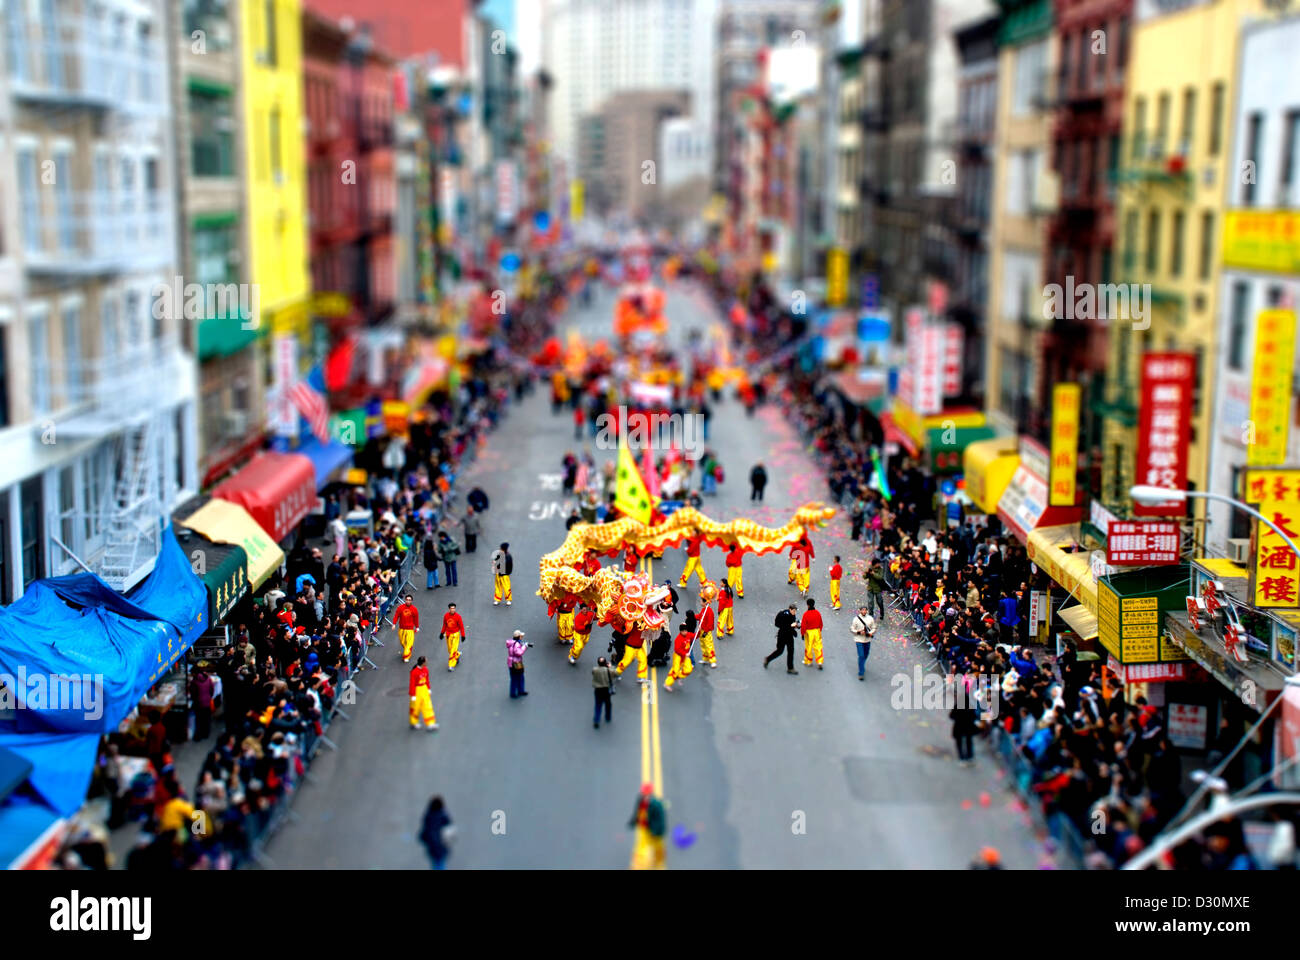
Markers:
{"x": 1065, "y": 444}
{"x": 1270, "y": 394}
{"x": 1274, "y": 569}
{"x": 1132, "y": 543}
{"x": 1164, "y": 427}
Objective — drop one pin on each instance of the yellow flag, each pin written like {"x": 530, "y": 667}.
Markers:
{"x": 631, "y": 496}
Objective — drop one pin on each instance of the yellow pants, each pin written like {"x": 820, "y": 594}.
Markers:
{"x": 693, "y": 565}
{"x": 835, "y": 594}
{"x": 564, "y": 624}
{"x": 736, "y": 577}
{"x": 794, "y": 567}
{"x": 422, "y": 707}
{"x": 812, "y": 646}
{"x": 634, "y": 653}
{"x": 648, "y": 851}
{"x": 707, "y": 653}
{"x": 501, "y": 587}
{"x": 407, "y": 637}
{"x": 681, "y": 670}
{"x": 453, "y": 649}
{"x": 726, "y": 622}
{"x": 579, "y": 642}
{"x": 803, "y": 578}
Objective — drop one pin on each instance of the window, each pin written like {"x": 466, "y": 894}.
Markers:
{"x": 65, "y": 226}
{"x": 1189, "y": 121}
{"x": 1008, "y": 381}
{"x": 1216, "y": 119}
{"x": 72, "y": 358}
{"x": 68, "y": 507}
{"x": 108, "y": 325}
{"x": 6, "y": 587}
{"x": 29, "y": 190}
{"x": 1237, "y": 325}
{"x": 38, "y": 347}
{"x": 1207, "y": 245}
{"x": 32, "y": 516}
{"x": 144, "y": 42}
{"x": 1139, "y": 127}
{"x": 4, "y": 384}
{"x": 1290, "y": 147}
{"x": 277, "y": 174}
{"x": 1176, "y": 245}
{"x": 1122, "y": 53}
{"x": 1162, "y": 125}
{"x": 211, "y": 134}
{"x": 1254, "y": 134}
{"x": 1031, "y": 71}
{"x": 211, "y": 17}
{"x": 1153, "y": 241}
{"x": 268, "y": 18}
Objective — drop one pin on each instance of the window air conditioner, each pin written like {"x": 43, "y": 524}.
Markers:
{"x": 1239, "y": 550}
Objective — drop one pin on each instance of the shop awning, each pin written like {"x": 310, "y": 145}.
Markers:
{"x": 223, "y": 568}
{"x": 1047, "y": 547}
{"x": 1023, "y": 505}
{"x": 326, "y": 458}
{"x": 1081, "y": 620}
{"x": 947, "y": 446}
{"x": 277, "y": 490}
{"x": 896, "y": 434}
{"x": 989, "y": 466}
{"x": 224, "y": 522}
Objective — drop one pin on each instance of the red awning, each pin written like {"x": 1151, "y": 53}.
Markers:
{"x": 277, "y": 489}
{"x": 898, "y": 435}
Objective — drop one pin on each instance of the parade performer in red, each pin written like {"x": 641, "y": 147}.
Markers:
{"x": 835, "y": 573}
{"x": 406, "y": 621}
{"x": 693, "y": 564}
{"x": 630, "y": 560}
{"x": 635, "y": 650}
{"x": 564, "y": 618}
{"x": 682, "y": 644}
{"x": 708, "y": 593}
{"x": 736, "y": 570}
{"x": 582, "y": 622}
{"x": 726, "y": 618}
{"x": 801, "y": 557}
{"x": 453, "y": 629}
{"x": 421, "y": 702}
{"x": 811, "y": 627}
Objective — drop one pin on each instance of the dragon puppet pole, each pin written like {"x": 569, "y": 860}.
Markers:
{"x": 698, "y": 623}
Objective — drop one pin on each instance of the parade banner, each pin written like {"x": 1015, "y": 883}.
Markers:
{"x": 1065, "y": 445}
{"x": 1164, "y": 428}
{"x": 1135, "y": 543}
{"x": 929, "y": 374}
{"x": 1274, "y": 568}
{"x": 837, "y": 277}
{"x": 1270, "y": 393}
{"x": 954, "y": 346}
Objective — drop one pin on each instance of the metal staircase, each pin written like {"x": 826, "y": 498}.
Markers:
{"x": 131, "y": 535}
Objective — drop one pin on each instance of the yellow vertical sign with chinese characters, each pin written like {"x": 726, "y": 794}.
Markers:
{"x": 577, "y": 200}
{"x": 837, "y": 277}
{"x": 1274, "y": 568}
{"x": 1270, "y": 387}
{"x": 1065, "y": 445}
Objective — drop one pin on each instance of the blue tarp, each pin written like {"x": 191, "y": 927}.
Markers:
{"x": 21, "y": 824}
{"x": 108, "y": 654}
{"x": 325, "y": 457}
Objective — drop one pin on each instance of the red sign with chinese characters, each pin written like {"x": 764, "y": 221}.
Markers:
{"x": 1136, "y": 543}
{"x": 1164, "y": 428}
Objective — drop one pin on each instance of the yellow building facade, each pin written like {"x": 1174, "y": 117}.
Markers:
{"x": 1175, "y": 156}
{"x": 271, "y": 47}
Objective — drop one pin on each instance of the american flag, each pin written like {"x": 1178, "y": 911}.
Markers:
{"x": 311, "y": 404}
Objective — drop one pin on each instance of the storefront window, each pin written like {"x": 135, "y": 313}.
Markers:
{"x": 1284, "y": 645}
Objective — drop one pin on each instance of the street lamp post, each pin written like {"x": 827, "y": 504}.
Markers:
{"x": 1143, "y": 493}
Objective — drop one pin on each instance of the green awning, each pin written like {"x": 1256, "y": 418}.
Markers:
{"x": 221, "y": 336}
{"x": 223, "y": 568}
{"x": 946, "y": 457}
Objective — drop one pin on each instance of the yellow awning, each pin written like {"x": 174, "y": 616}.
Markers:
{"x": 989, "y": 466}
{"x": 1081, "y": 620}
{"x": 1073, "y": 571}
{"x": 224, "y": 522}
{"x": 1222, "y": 567}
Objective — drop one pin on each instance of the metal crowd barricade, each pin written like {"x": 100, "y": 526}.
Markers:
{"x": 1021, "y": 774}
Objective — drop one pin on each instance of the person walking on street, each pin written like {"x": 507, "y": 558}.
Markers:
{"x": 406, "y": 621}
{"x": 421, "y": 702}
{"x": 835, "y": 573}
{"x": 437, "y": 833}
{"x": 876, "y": 588}
{"x": 503, "y": 564}
{"x": 693, "y": 562}
{"x": 863, "y": 628}
{"x": 473, "y": 526}
{"x": 963, "y": 730}
{"x": 430, "y": 559}
{"x": 515, "y": 648}
{"x": 785, "y": 625}
{"x": 453, "y": 630}
{"x": 582, "y": 623}
{"x": 201, "y": 689}
{"x": 757, "y": 481}
{"x": 811, "y": 627}
{"x": 602, "y": 683}
{"x": 736, "y": 570}
{"x": 682, "y": 644}
{"x": 634, "y": 649}
{"x": 726, "y": 617}
{"x": 449, "y": 550}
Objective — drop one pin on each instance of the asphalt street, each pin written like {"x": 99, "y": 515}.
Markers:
{"x": 760, "y": 769}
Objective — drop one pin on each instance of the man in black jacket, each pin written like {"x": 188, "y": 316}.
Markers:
{"x": 757, "y": 481}
{"x": 785, "y": 627}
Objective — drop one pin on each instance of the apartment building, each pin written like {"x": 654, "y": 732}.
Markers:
{"x": 98, "y": 438}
